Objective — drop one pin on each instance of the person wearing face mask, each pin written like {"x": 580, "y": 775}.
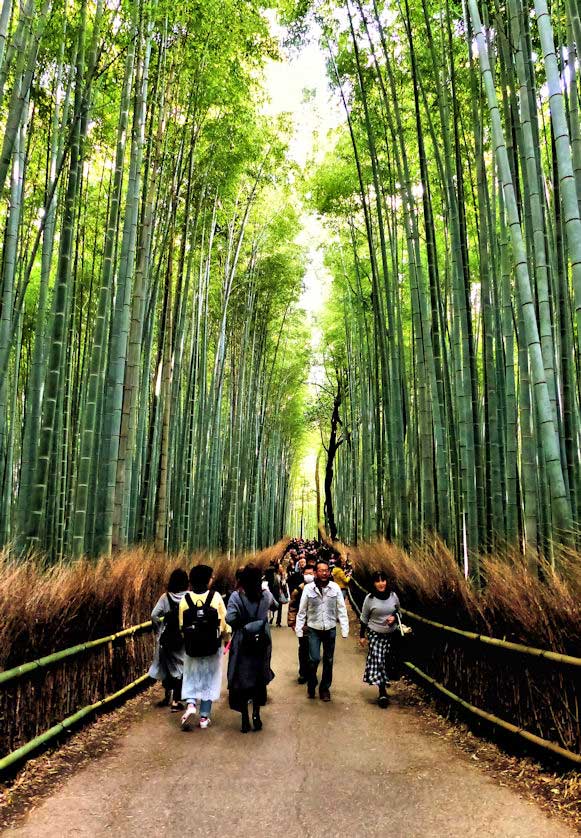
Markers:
{"x": 378, "y": 622}
{"x": 293, "y": 607}
{"x": 322, "y": 606}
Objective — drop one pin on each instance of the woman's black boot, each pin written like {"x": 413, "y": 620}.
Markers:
{"x": 383, "y": 699}
{"x": 166, "y": 700}
{"x": 245, "y": 721}
{"x": 256, "y": 720}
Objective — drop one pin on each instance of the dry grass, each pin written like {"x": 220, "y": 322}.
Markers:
{"x": 543, "y": 611}
{"x": 513, "y": 603}
{"x": 44, "y": 610}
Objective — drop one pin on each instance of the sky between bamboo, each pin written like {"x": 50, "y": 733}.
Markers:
{"x": 297, "y": 84}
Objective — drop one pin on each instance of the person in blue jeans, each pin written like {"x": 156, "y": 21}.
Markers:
{"x": 322, "y": 607}
{"x": 202, "y": 677}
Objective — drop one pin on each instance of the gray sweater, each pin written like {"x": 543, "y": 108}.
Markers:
{"x": 375, "y": 612}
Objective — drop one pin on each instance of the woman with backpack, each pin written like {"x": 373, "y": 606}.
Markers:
{"x": 168, "y": 660}
{"x": 249, "y": 670}
{"x": 203, "y": 622}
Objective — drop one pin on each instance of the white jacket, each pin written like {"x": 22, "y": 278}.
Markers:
{"x": 322, "y": 609}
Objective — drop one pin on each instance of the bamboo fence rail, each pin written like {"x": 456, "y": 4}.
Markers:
{"x": 496, "y": 643}
{"x": 490, "y": 717}
{"x": 67, "y": 681}
{"x": 48, "y": 660}
{"x": 16, "y": 756}
{"x": 557, "y": 657}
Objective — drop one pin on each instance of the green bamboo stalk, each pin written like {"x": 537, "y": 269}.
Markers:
{"x": 550, "y": 441}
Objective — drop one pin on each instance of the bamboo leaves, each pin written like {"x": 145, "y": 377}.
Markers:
{"x": 466, "y": 163}
{"x": 166, "y": 284}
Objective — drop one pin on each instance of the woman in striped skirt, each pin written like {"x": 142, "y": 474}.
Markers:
{"x": 378, "y": 622}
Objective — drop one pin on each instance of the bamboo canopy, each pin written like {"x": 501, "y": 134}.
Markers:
{"x": 154, "y": 354}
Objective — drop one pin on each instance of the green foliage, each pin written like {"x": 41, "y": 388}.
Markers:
{"x": 178, "y": 386}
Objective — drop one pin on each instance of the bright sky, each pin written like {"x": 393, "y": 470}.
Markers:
{"x": 298, "y": 85}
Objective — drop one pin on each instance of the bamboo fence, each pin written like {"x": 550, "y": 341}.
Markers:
{"x": 496, "y": 680}
{"x": 62, "y": 688}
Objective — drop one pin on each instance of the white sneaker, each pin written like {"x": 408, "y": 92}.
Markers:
{"x": 186, "y": 720}
{"x": 204, "y": 722}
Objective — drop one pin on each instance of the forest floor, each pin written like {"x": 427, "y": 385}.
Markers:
{"x": 315, "y": 770}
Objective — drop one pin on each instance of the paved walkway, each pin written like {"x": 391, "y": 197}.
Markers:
{"x": 316, "y": 771}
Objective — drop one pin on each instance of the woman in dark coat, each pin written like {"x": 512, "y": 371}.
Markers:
{"x": 249, "y": 670}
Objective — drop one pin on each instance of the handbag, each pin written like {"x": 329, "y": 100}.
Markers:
{"x": 403, "y": 629}
{"x": 254, "y": 636}
{"x": 398, "y": 649}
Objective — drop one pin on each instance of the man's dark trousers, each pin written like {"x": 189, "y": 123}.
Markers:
{"x": 316, "y": 639}
{"x": 304, "y": 659}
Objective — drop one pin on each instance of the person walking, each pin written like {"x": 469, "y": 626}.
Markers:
{"x": 202, "y": 619}
{"x": 322, "y": 606}
{"x": 295, "y": 578}
{"x": 293, "y": 608}
{"x": 168, "y": 659}
{"x": 273, "y": 580}
{"x": 379, "y": 622}
{"x": 249, "y": 670}
{"x": 339, "y": 576}
{"x": 283, "y": 595}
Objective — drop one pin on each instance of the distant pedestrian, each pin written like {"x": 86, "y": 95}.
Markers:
{"x": 379, "y": 622}
{"x": 341, "y": 577}
{"x": 272, "y": 578}
{"x": 203, "y": 622}
{"x": 322, "y": 606}
{"x": 168, "y": 659}
{"x": 293, "y": 608}
{"x": 295, "y": 578}
{"x": 249, "y": 670}
{"x": 283, "y": 593}
{"x": 236, "y": 587}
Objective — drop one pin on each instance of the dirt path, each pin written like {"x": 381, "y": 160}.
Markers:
{"x": 316, "y": 771}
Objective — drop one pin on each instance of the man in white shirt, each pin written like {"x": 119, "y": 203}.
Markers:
{"x": 322, "y": 607}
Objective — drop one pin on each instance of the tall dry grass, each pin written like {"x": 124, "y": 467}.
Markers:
{"x": 514, "y": 604}
{"x": 43, "y": 610}
{"x": 542, "y": 611}
{"x": 46, "y": 609}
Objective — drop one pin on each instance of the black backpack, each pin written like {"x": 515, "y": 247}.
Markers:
{"x": 201, "y": 628}
{"x": 171, "y": 639}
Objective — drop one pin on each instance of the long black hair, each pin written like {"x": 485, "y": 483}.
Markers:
{"x": 200, "y": 576}
{"x": 178, "y": 581}
{"x": 251, "y": 582}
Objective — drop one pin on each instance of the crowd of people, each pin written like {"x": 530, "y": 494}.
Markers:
{"x": 196, "y": 627}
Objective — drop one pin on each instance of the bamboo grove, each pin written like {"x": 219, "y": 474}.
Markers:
{"x": 151, "y": 352}
{"x": 453, "y": 345}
